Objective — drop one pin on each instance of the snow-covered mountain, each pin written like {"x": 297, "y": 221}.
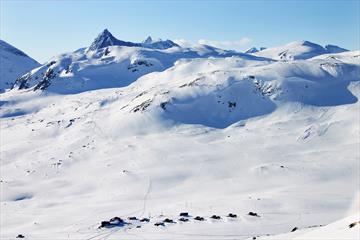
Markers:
{"x": 106, "y": 39}
{"x": 254, "y": 50}
{"x": 110, "y": 62}
{"x": 13, "y": 64}
{"x": 158, "y": 44}
{"x": 266, "y": 140}
{"x": 298, "y": 50}
{"x": 249, "y": 145}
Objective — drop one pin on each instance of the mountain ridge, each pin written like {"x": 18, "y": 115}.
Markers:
{"x": 117, "y": 63}
{"x": 298, "y": 50}
{"x": 106, "y": 39}
{"x": 137, "y": 59}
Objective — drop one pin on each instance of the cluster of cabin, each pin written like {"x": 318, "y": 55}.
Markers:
{"x": 183, "y": 217}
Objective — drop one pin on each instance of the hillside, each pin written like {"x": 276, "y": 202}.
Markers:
{"x": 13, "y": 64}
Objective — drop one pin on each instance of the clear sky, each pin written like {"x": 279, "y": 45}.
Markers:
{"x": 43, "y": 28}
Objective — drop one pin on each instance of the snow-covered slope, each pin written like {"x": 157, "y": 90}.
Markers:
{"x": 13, "y": 64}
{"x": 206, "y": 136}
{"x": 345, "y": 229}
{"x": 298, "y": 50}
{"x": 352, "y": 57}
{"x": 236, "y": 89}
{"x": 110, "y": 62}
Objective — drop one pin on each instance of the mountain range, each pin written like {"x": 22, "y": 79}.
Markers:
{"x": 119, "y": 63}
{"x": 155, "y": 140}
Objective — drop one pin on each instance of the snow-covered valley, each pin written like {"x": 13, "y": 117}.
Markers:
{"x": 85, "y": 138}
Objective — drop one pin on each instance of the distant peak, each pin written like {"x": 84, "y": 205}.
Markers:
{"x": 105, "y": 39}
{"x": 255, "y": 50}
{"x": 328, "y": 48}
{"x": 148, "y": 40}
{"x": 105, "y": 32}
{"x": 158, "y": 44}
{"x": 252, "y": 50}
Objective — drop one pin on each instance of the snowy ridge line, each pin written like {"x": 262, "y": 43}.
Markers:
{"x": 297, "y": 50}
{"x": 112, "y": 63}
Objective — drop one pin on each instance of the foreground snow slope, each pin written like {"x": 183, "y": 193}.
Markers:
{"x": 13, "y": 64}
{"x": 206, "y": 136}
{"x": 345, "y": 229}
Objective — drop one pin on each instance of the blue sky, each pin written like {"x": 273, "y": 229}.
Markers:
{"x": 46, "y": 28}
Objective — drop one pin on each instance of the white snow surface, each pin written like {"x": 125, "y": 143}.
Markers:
{"x": 13, "y": 64}
{"x": 230, "y": 134}
{"x": 341, "y": 229}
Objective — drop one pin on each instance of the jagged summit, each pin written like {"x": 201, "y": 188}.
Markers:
{"x": 158, "y": 44}
{"x": 106, "y": 33}
{"x": 148, "y": 40}
{"x": 106, "y": 39}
